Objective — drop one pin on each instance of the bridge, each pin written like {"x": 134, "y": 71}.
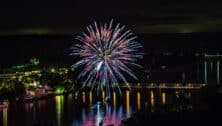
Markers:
{"x": 166, "y": 85}
{"x": 160, "y": 86}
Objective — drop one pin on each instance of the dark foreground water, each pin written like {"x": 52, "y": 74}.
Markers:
{"x": 82, "y": 108}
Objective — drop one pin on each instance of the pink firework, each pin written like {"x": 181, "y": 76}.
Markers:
{"x": 106, "y": 53}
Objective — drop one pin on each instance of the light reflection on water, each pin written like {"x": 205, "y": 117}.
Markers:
{"x": 163, "y": 98}
{"x": 90, "y": 98}
{"x": 83, "y": 97}
{"x": 128, "y": 103}
{"x": 83, "y": 109}
{"x": 114, "y": 99}
{"x": 5, "y": 116}
{"x": 102, "y": 115}
{"x": 152, "y": 101}
{"x": 103, "y": 96}
{"x": 59, "y": 108}
{"x": 138, "y": 101}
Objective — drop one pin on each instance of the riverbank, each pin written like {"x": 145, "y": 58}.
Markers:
{"x": 46, "y": 96}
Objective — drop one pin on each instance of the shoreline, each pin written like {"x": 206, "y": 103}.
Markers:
{"x": 47, "y": 96}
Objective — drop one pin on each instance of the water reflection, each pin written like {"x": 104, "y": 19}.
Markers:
{"x": 128, "y": 103}
{"x": 114, "y": 99}
{"x": 28, "y": 106}
{"x": 90, "y": 98}
{"x": 41, "y": 104}
{"x": 112, "y": 116}
{"x": 5, "y": 116}
{"x": 103, "y": 96}
{"x": 103, "y": 114}
{"x": 85, "y": 111}
{"x": 99, "y": 116}
{"x": 138, "y": 100}
{"x": 163, "y": 98}
{"x": 83, "y": 97}
{"x": 152, "y": 101}
{"x": 70, "y": 100}
{"x": 76, "y": 95}
{"x": 59, "y": 108}
{"x": 177, "y": 94}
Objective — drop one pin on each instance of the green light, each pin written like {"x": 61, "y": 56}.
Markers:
{"x": 60, "y": 90}
{"x": 36, "y": 63}
{"x": 19, "y": 67}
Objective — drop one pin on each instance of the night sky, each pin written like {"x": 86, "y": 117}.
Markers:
{"x": 46, "y": 30}
{"x": 143, "y": 16}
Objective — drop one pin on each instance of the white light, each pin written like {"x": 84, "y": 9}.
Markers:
{"x": 99, "y": 65}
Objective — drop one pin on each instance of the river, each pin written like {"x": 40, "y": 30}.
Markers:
{"x": 84, "y": 108}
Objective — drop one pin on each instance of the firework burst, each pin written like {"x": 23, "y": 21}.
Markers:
{"x": 106, "y": 53}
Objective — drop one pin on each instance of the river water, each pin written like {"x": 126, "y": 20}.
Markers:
{"x": 86, "y": 109}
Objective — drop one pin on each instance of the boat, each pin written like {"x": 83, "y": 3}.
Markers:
{"x": 4, "y": 104}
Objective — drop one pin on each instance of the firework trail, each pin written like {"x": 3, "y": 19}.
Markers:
{"x": 106, "y": 52}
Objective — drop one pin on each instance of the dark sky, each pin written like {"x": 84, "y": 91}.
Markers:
{"x": 143, "y": 16}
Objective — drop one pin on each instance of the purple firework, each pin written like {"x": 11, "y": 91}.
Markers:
{"x": 106, "y": 52}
